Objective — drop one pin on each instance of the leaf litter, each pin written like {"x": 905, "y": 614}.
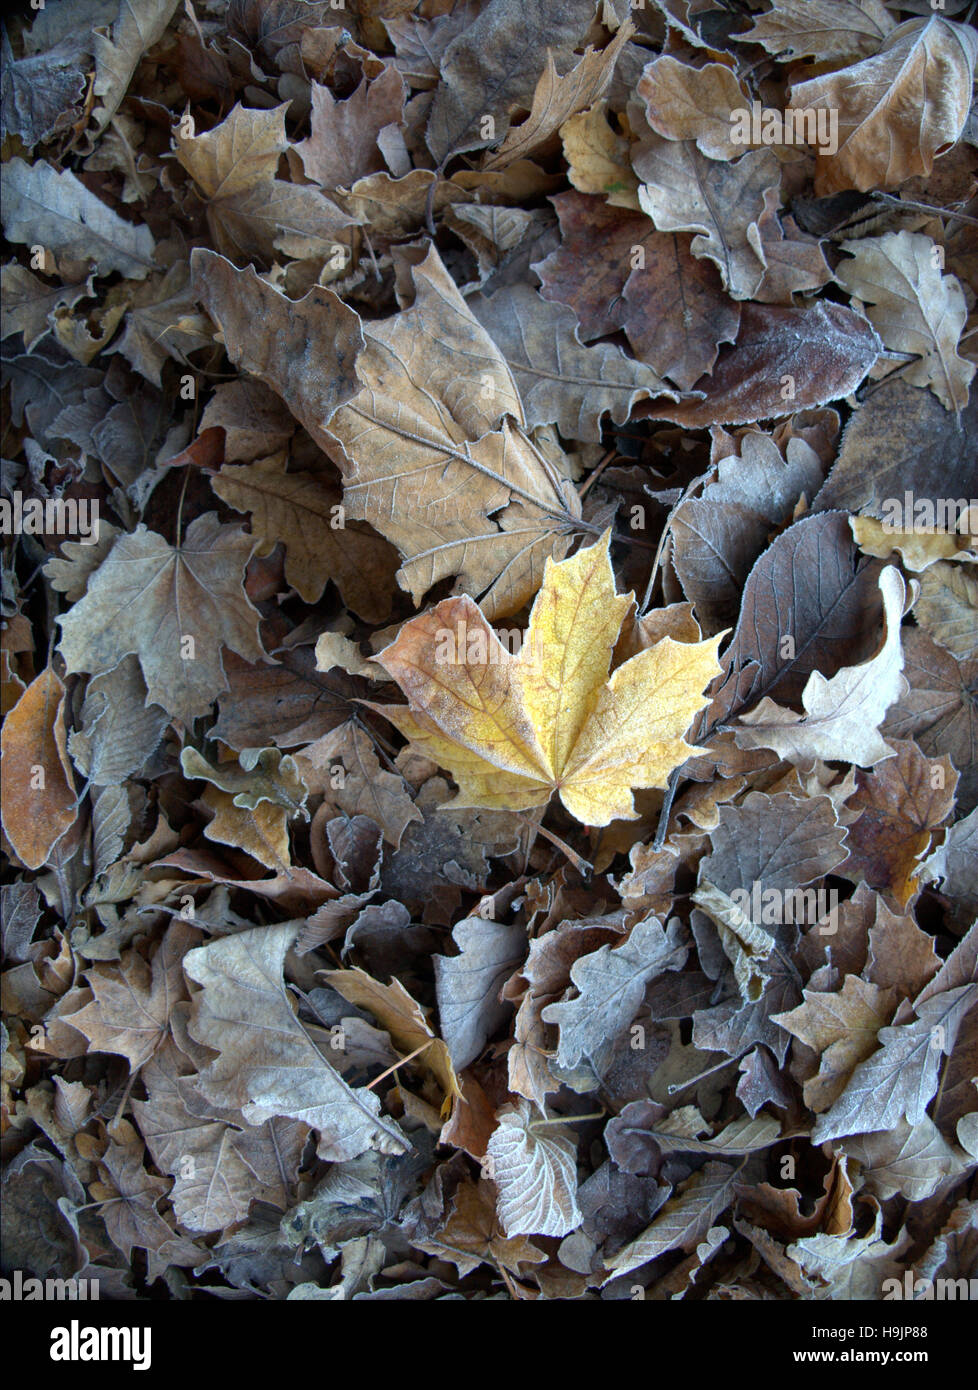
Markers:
{"x": 490, "y": 677}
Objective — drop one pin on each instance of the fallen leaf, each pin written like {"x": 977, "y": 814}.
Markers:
{"x": 196, "y": 585}
{"x": 900, "y": 803}
{"x": 429, "y": 467}
{"x": 40, "y": 803}
{"x": 493, "y": 65}
{"x": 514, "y": 730}
{"x": 897, "y": 108}
{"x": 535, "y": 1173}
{"x": 832, "y": 30}
{"x": 688, "y": 103}
{"x": 913, "y": 307}
{"x": 843, "y": 713}
{"x": 682, "y": 191}
{"x": 267, "y": 1066}
{"x": 58, "y": 211}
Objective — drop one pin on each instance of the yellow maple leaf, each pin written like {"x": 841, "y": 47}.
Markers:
{"x": 512, "y": 730}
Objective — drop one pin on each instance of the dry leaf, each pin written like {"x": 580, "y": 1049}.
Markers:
{"x": 913, "y": 307}
{"x": 514, "y": 730}
{"x": 897, "y": 108}
{"x": 39, "y": 800}
{"x": 188, "y": 604}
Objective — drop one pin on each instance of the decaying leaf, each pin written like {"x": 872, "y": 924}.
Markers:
{"x": 488, "y": 655}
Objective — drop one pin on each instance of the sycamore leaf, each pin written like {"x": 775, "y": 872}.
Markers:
{"x": 306, "y": 348}
{"x": 560, "y": 381}
{"x": 851, "y": 1266}
{"x": 266, "y": 1063}
{"x": 130, "y": 1195}
{"x": 471, "y": 1235}
{"x": 683, "y": 1221}
{"x": 27, "y": 302}
{"x": 133, "y": 1000}
{"x": 229, "y": 1168}
{"x": 250, "y": 212}
{"x": 56, "y": 210}
{"x": 557, "y": 98}
{"x": 842, "y": 713}
{"x": 493, "y": 65}
{"x": 913, "y": 307}
{"x": 342, "y": 145}
{"x": 400, "y": 1016}
{"x": 899, "y": 1080}
{"x": 303, "y": 509}
{"x": 365, "y": 788}
{"x": 912, "y": 1160}
{"x": 162, "y": 323}
{"x": 830, "y": 30}
{"x": 153, "y": 600}
{"x": 39, "y": 800}
{"x": 41, "y": 92}
{"x": 118, "y": 52}
{"x": 898, "y": 108}
{"x": 512, "y": 731}
{"x": 535, "y": 1172}
{"x": 429, "y": 465}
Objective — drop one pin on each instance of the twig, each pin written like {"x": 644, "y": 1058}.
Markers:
{"x": 401, "y": 1062}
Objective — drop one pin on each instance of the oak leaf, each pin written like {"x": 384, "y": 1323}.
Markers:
{"x": 687, "y": 103}
{"x": 683, "y": 191}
